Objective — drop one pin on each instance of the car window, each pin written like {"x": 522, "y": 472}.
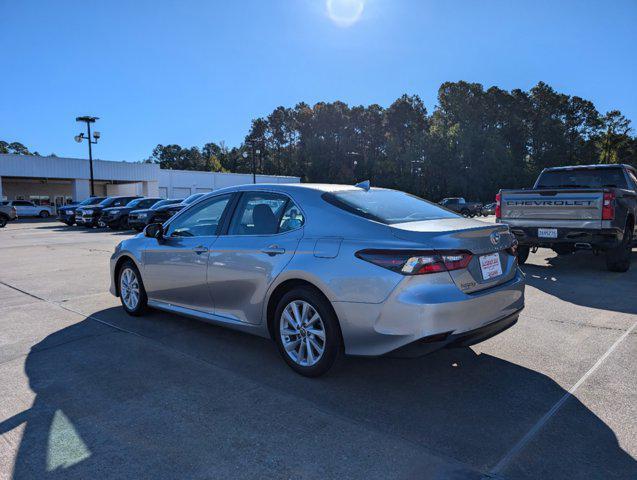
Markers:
{"x": 386, "y": 206}
{"x": 201, "y": 220}
{"x": 258, "y": 213}
{"x": 582, "y": 178}
{"x": 22, "y": 203}
{"x": 145, "y": 203}
{"x": 633, "y": 177}
{"x": 292, "y": 218}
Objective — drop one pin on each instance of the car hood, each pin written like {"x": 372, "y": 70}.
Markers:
{"x": 142, "y": 210}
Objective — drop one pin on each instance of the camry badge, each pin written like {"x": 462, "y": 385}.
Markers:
{"x": 495, "y": 238}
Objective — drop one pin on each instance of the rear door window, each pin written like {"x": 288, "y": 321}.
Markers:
{"x": 258, "y": 213}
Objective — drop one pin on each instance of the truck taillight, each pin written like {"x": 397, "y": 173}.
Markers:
{"x": 608, "y": 207}
{"x": 498, "y": 211}
{"x": 417, "y": 262}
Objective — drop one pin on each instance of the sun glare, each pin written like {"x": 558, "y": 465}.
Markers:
{"x": 345, "y": 12}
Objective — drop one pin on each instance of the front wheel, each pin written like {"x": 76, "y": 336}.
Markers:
{"x": 44, "y": 214}
{"x": 307, "y": 333}
{"x": 132, "y": 293}
{"x": 3, "y": 221}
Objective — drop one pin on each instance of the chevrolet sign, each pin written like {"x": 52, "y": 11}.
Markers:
{"x": 550, "y": 203}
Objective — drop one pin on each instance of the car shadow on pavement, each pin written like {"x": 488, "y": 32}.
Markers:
{"x": 76, "y": 229}
{"x": 184, "y": 399}
{"x": 582, "y": 279}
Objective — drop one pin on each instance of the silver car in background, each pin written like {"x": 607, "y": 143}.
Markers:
{"x": 325, "y": 270}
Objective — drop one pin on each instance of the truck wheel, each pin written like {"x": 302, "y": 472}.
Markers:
{"x": 523, "y": 254}
{"x": 618, "y": 258}
{"x": 464, "y": 212}
{"x": 3, "y": 221}
{"x": 44, "y": 214}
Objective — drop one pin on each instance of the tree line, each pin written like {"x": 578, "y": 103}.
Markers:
{"x": 475, "y": 141}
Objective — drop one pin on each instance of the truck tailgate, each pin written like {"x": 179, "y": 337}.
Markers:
{"x": 577, "y": 206}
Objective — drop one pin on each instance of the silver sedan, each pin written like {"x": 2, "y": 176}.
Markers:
{"x": 325, "y": 270}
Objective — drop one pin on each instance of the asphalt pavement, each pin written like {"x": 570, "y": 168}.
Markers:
{"x": 89, "y": 392}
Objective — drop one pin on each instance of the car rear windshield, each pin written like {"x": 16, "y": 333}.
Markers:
{"x": 387, "y": 206}
{"x": 582, "y": 178}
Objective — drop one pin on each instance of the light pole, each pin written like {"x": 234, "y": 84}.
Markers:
{"x": 96, "y": 135}
{"x": 254, "y": 164}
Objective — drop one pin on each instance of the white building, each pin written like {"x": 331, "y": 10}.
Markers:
{"x": 57, "y": 181}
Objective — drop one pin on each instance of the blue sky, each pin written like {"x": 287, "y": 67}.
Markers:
{"x": 189, "y": 72}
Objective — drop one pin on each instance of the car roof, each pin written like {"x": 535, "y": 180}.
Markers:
{"x": 292, "y": 187}
{"x": 589, "y": 167}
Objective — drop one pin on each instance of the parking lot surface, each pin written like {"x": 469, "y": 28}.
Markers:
{"x": 89, "y": 392}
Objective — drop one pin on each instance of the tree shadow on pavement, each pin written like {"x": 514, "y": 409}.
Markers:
{"x": 199, "y": 401}
{"x": 582, "y": 279}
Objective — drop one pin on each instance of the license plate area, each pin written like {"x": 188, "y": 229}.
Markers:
{"x": 490, "y": 266}
{"x": 547, "y": 232}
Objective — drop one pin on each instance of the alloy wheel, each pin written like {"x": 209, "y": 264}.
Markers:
{"x": 302, "y": 333}
{"x": 129, "y": 288}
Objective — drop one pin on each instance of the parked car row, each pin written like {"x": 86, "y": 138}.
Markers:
{"x": 122, "y": 212}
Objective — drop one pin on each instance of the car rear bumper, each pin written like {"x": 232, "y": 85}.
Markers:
{"x": 436, "y": 314}
{"x": 601, "y": 238}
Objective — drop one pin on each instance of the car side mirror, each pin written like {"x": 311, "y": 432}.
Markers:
{"x": 154, "y": 230}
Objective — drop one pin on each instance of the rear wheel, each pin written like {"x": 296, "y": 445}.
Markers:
{"x": 307, "y": 332}
{"x": 132, "y": 293}
{"x": 3, "y": 221}
{"x": 618, "y": 258}
{"x": 523, "y": 254}
{"x": 44, "y": 214}
{"x": 465, "y": 213}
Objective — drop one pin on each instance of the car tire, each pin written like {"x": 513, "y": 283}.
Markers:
{"x": 70, "y": 224}
{"x": 329, "y": 348}
{"x": 465, "y": 213}
{"x": 3, "y": 221}
{"x": 618, "y": 258}
{"x": 44, "y": 214}
{"x": 129, "y": 281}
{"x": 523, "y": 254}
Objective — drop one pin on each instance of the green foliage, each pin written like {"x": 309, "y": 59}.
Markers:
{"x": 475, "y": 142}
{"x": 175, "y": 157}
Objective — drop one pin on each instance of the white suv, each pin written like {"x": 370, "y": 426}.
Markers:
{"x": 30, "y": 209}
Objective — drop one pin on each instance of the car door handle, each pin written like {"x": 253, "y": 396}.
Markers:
{"x": 273, "y": 250}
{"x": 200, "y": 249}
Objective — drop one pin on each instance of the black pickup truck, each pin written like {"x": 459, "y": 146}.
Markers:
{"x": 461, "y": 206}
{"x": 590, "y": 207}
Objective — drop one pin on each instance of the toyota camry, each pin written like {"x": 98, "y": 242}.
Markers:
{"x": 326, "y": 270}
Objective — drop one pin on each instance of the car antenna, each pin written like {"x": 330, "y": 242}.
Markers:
{"x": 366, "y": 185}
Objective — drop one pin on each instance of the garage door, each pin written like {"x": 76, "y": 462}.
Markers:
{"x": 203, "y": 190}
{"x": 181, "y": 192}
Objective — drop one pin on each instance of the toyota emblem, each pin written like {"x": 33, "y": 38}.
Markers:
{"x": 495, "y": 238}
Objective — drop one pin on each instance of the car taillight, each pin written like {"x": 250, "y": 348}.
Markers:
{"x": 608, "y": 207}
{"x": 498, "y": 211}
{"x": 410, "y": 262}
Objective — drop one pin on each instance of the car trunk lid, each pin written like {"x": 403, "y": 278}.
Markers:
{"x": 492, "y": 262}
